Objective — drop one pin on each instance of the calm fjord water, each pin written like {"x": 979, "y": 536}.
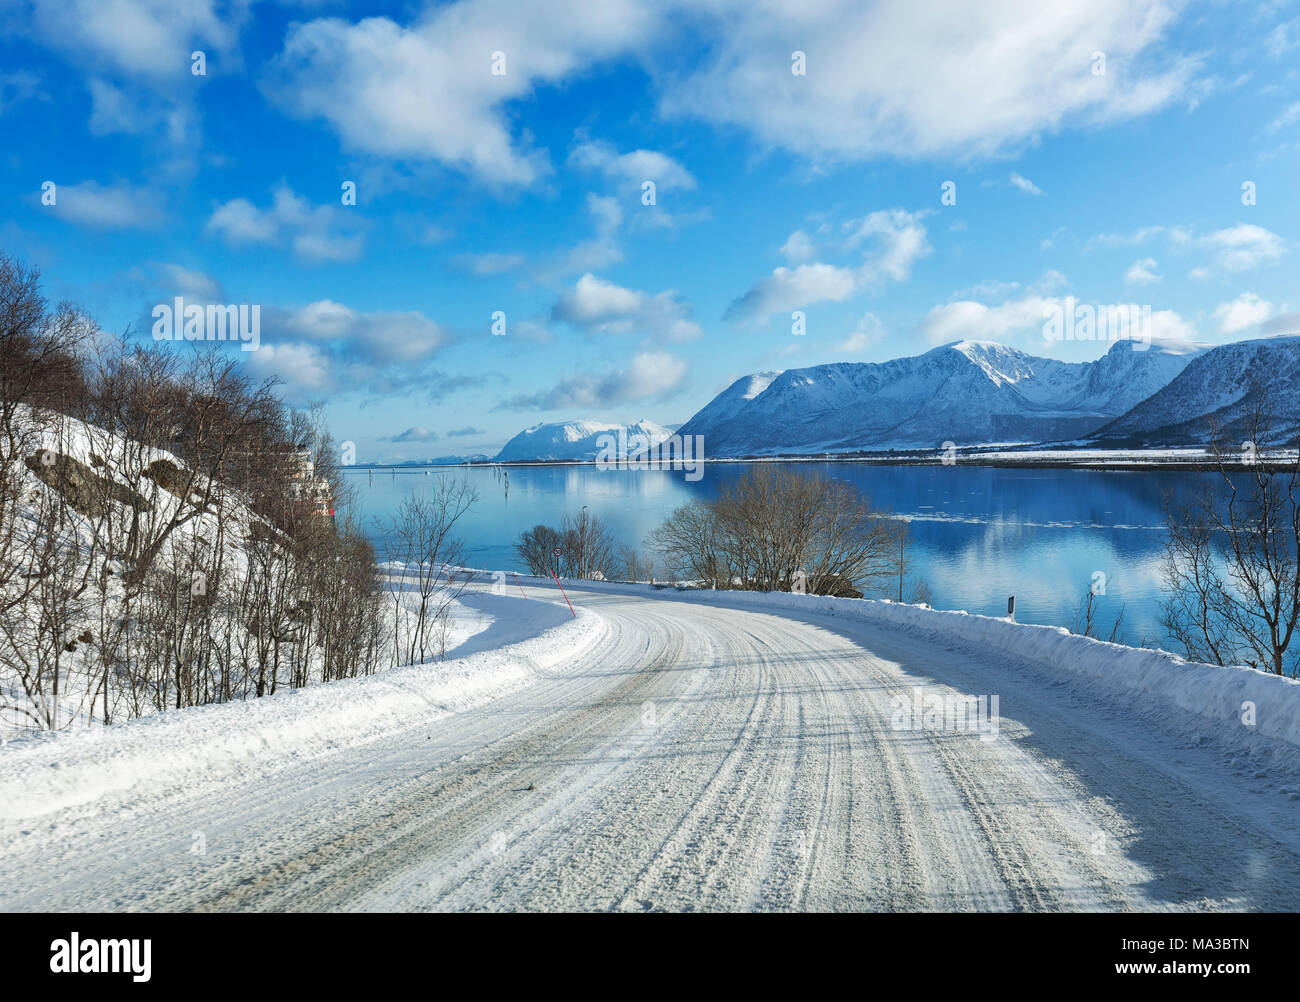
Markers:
{"x": 978, "y": 534}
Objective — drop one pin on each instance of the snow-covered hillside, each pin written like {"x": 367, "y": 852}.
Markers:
{"x": 968, "y": 392}
{"x": 1220, "y": 385}
{"x": 132, "y": 583}
{"x": 577, "y": 440}
{"x": 80, "y": 492}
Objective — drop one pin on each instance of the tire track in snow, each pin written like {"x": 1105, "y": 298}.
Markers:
{"x": 772, "y": 724}
{"x": 468, "y": 807}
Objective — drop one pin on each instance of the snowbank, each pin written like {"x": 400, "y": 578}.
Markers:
{"x": 1212, "y": 692}
{"x": 185, "y": 747}
{"x": 1219, "y": 694}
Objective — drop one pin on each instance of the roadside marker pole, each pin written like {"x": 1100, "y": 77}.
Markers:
{"x": 521, "y": 587}
{"x": 566, "y": 597}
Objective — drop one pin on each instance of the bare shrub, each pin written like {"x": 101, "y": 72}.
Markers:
{"x": 772, "y": 524}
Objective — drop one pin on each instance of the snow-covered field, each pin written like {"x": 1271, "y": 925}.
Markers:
{"x": 686, "y": 751}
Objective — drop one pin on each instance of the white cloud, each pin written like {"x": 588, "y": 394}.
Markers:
{"x": 1285, "y": 321}
{"x": 1142, "y": 272}
{"x": 1235, "y": 248}
{"x": 1245, "y": 246}
{"x": 986, "y": 289}
{"x": 1178, "y": 235}
{"x": 1283, "y": 37}
{"x": 416, "y": 433}
{"x": 791, "y": 288}
{"x": 890, "y": 78}
{"x": 629, "y": 170}
{"x": 1167, "y": 325}
{"x": 136, "y": 55}
{"x": 598, "y": 305}
{"x": 1289, "y": 116}
{"x": 241, "y": 222}
{"x": 428, "y": 92}
{"x": 325, "y": 348}
{"x": 1024, "y": 184}
{"x": 626, "y": 174}
{"x": 868, "y": 331}
{"x": 305, "y": 369}
{"x": 491, "y": 263}
{"x": 1247, "y": 310}
{"x": 898, "y": 239}
{"x": 594, "y": 301}
{"x": 895, "y": 240}
{"x": 650, "y": 375}
{"x": 424, "y": 231}
{"x": 380, "y": 338}
{"x": 144, "y": 38}
{"x": 136, "y": 111}
{"x": 908, "y": 79}
{"x": 600, "y": 250}
{"x": 321, "y": 246}
{"x": 116, "y": 206}
{"x": 798, "y": 247}
{"x": 312, "y": 231}
{"x": 970, "y": 319}
{"x": 194, "y": 285}
{"x": 1049, "y": 281}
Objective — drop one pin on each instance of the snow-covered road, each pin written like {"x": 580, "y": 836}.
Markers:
{"x": 709, "y": 756}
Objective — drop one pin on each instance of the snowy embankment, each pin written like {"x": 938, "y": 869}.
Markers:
{"x": 525, "y": 640}
{"x": 518, "y": 640}
{"x": 1224, "y": 697}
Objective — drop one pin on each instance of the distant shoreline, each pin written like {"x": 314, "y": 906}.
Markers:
{"x": 1130, "y": 461}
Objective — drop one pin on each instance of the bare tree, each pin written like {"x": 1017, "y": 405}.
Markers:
{"x": 39, "y": 345}
{"x": 1232, "y": 572}
{"x": 688, "y": 542}
{"x": 588, "y": 547}
{"x": 151, "y": 555}
{"x": 635, "y": 565}
{"x": 424, "y": 557}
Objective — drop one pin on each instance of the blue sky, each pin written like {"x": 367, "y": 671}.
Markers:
{"x": 522, "y": 191}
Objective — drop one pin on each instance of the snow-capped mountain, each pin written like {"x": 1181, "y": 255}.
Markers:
{"x": 576, "y": 440}
{"x": 967, "y": 392}
{"x": 1220, "y": 385}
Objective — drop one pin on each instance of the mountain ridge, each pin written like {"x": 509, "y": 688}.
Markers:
{"x": 1220, "y": 386}
{"x": 968, "y": 392}
{"x": 577, "y": 440}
